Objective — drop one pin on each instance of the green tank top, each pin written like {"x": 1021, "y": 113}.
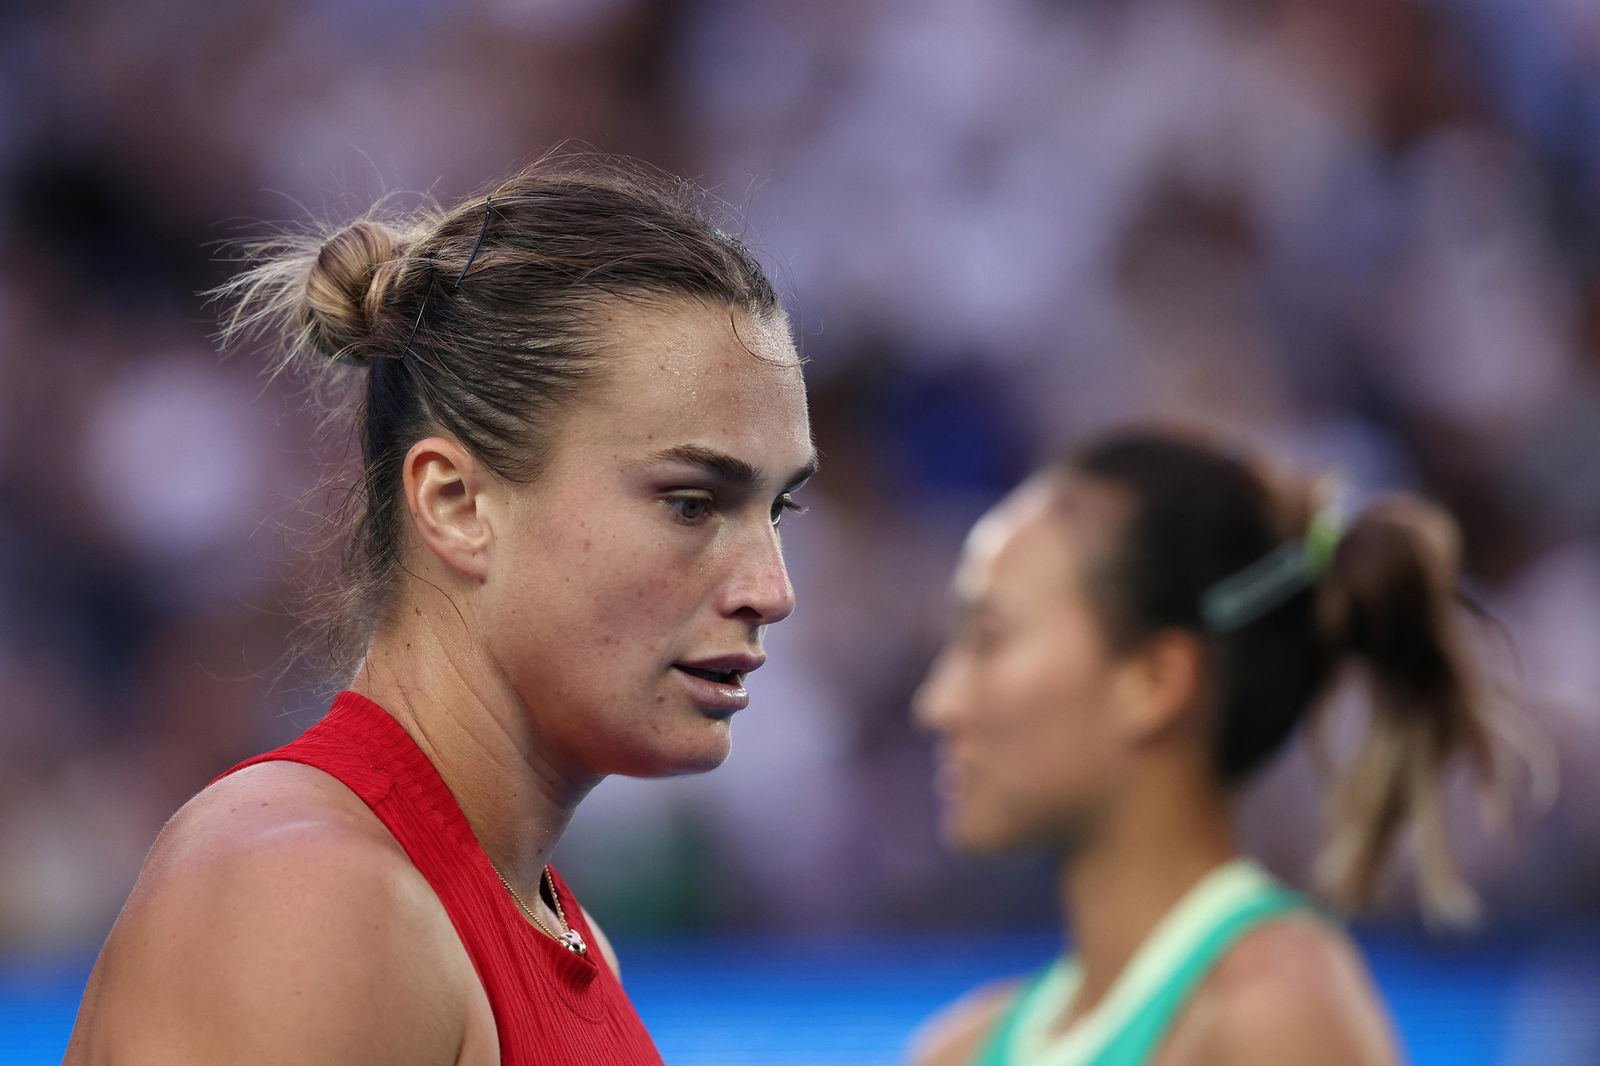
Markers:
{"x": 1127, "y": 1027}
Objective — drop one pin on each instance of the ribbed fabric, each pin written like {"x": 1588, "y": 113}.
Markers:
{"x": 552, "y": 1007}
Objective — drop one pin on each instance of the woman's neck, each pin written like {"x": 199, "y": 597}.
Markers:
{"x": 478, "y": 736}
{"x": 1168, "y": 832}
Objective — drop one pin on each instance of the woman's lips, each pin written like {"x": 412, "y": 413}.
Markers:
{"x": 948, "y": 780}
{"x": 715, "y": 698}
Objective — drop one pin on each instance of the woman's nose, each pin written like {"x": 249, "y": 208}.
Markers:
{"x": 760, "y": 589}
{"x": 933, "y": 704}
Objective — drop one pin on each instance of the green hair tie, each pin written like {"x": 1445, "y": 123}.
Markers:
{"x": 1321, "y": 543}
{"x": 1271, "y": 581}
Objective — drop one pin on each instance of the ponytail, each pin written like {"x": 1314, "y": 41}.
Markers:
{"x": 1388, "y": 607}
{"x": 1286, "y": 606}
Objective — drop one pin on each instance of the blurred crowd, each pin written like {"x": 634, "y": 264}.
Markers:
{"x": 1361, "y": 234}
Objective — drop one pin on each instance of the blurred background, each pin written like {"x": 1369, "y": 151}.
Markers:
{"x": 1364, "y": 234}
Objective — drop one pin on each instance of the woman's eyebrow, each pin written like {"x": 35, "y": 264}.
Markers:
{"x": 730, "y": 468}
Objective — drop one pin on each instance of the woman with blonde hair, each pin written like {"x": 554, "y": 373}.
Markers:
{"x": 581, "y": 417}
{"x": 1142, "y": 628}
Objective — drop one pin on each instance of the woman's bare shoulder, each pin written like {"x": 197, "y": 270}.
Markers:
{"x": 957, "y": 1034}
{"x": 1295, "y": 989}
{"x": 269, "y": 799}
{"x": 276, "y": 919}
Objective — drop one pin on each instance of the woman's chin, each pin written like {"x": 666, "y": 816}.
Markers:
{"x": 981, "y": 833}
{"x": 697, "y": 754}
{"x": 972, "y": 835}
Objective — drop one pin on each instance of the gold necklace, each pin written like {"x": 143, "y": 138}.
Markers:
{"x": 569, "y": 937}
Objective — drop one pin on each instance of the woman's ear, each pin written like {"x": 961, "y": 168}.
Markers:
{"x": 444, "y": 485}
{"x": 1158, "y": 686}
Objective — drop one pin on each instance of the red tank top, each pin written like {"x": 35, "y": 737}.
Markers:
{"x": 552, "y": 1007}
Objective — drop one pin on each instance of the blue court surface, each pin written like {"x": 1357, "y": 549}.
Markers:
{"x": 724, "y": 1001}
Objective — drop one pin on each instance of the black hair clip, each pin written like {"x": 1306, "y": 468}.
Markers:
{"x": 406, "y": 350}
{"x": 483, "y": 230}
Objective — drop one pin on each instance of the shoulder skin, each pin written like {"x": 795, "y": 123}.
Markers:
{"x": 1294, "y": 990}
{"x": 956, "y": 1036}
{"x": 277, "y": 921}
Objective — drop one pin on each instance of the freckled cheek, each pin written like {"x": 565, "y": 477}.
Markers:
{"x": 633, "y": 590}
{"x": 641, "y": 616}
{"x": 637, "y": 599}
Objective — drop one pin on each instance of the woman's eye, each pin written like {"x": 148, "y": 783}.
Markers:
{"x": 690, "y": 508}
{"x": 784, "y": 503}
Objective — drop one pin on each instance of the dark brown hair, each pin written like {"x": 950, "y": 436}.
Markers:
{"x": 1386, "y": 605}
{"x": 481, "y": 322}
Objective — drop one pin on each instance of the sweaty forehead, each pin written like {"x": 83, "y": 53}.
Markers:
{"x": 680, "y": 368}
{"x": 689, "y": 337}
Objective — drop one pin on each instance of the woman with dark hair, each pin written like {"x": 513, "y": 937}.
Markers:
{"x": 581, "y": 418}
{"x": 1142, "y": 627}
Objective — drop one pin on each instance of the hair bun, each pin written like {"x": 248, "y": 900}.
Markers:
{"x": 344, "y": 290}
